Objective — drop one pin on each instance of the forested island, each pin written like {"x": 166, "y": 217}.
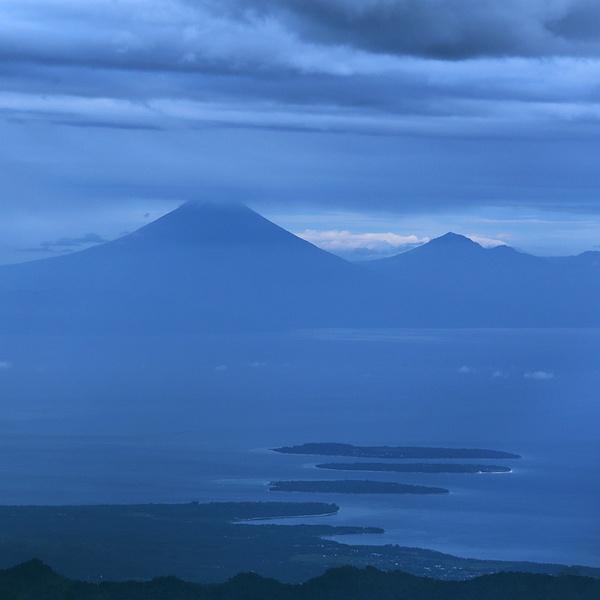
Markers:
{"x": 416, "y": 467}
{"x": 35, "y": 580}
{"x": 335, "y": 449}
{"x": 352, "y": 486}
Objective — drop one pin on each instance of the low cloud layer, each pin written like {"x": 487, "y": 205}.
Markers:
{"x": 539, "y": 375}
{"x": 361, "y": 245}
{"x": 367, "y": 245}
{"x": 66, "y": 244}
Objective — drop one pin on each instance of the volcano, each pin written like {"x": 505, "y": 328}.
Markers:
{"x": 221, "y": 267}
{"x": 203, "y": 266}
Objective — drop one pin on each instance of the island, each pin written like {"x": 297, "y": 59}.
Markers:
{"x": 353, "y": 486}
{"x": 336, "y": 449}
{"x": 416, "y": 467}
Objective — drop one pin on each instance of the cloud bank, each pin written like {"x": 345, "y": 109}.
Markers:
{"x": 361, "y": 245}
{"x": 71, "y": 243}
{"x": 539, "y": 375}
{"x": 408, "y": 106}
{"x": 376, "y": 66}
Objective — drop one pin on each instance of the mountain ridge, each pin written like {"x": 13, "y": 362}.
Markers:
{"x": 35, "y": 579}
{"x": 214, "y": 266}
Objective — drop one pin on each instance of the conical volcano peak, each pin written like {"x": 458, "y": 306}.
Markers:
{"x": 198, "y": 223}
{"x": 452, "y": 239}
{"x": 198, "y": 212}
{"x": 449, "y": 244}
{"x": 205, "y": 207}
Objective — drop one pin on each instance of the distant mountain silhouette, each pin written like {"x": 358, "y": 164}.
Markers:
{"x": 202, "y": 266}
{"x": 453, "y": 281}
{"x": 213, "y": 267}
{"x": 36, "y": 580}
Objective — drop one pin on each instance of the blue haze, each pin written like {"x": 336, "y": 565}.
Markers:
{"x": 205, "y": 409}
{"x": 161, "y": 366}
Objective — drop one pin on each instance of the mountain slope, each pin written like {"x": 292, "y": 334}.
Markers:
{"x": 453, "y": 281}
{"x": 203, "y": 266}
{"x": 217, "y": 267}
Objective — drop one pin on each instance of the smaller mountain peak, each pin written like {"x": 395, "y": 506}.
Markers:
{"x": 33, "y": 569}
{"x": 503, "y": 249}
{"x": 448, "y": 244}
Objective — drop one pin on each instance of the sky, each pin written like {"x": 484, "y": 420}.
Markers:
{"x": 366, "y": 126}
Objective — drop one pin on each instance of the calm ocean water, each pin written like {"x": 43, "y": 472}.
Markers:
{"x": 173, "y": 420}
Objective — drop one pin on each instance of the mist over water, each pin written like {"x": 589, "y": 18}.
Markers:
{"x": 205, "y": 409}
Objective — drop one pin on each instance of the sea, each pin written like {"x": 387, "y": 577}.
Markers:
{"x": 99, "y": 419}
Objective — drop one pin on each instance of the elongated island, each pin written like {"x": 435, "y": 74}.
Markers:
{"x": 397, "y": 452}
{"x": 353, "y": 486}
{"x": 416, "y": 467}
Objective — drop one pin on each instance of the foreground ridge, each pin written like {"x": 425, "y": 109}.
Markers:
{"x": 34, "y": 579}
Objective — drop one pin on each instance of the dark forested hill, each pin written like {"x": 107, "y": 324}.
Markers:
{"x": 35, "y": 581}
{"x": 212, "y": 542}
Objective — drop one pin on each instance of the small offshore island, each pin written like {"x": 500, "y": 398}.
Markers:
{"x": 416, "y": 467}
{"x": 352, "y": 486}
{"x": 335, "y": 449}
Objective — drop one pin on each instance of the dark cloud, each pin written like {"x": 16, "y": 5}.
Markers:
{"x": 265, "y": 37}
{"x": 444, "y": 29}
{"x": 288, "y": 55}
{"x": 580, "y": 22}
